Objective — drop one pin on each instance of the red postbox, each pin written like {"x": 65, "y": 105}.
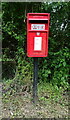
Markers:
{"x": 37, "y": 34}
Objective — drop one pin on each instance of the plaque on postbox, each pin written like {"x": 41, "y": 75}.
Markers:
{"x": 37, "y": 34}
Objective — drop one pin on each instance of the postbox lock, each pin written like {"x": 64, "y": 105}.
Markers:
{"x": 38, "y": 33}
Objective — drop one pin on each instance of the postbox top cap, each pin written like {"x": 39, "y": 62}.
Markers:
{"x": 38, "y": 16}
{"x": 39, "y": 13}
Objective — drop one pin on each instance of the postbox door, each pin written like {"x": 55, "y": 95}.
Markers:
{"x": 38, "y": 43}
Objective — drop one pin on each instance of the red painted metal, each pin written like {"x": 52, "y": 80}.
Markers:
{"x": 37, "y": 26}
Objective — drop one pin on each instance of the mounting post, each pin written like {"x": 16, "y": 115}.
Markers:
{"x": 35, "y": 80}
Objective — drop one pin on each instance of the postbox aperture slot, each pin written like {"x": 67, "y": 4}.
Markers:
{"x": 38, "y": 21}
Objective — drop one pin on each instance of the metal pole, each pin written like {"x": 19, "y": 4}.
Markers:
{"x": 35, "y": 81}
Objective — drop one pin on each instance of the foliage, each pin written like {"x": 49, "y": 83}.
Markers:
{"x": 54, "y": 68}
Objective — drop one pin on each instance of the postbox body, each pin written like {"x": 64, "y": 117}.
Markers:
{"x": 37, "y": 34}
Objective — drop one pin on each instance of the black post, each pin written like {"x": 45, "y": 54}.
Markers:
{"x": 35, "y": 81}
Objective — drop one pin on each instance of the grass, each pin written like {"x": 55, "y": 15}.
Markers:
{"x": 46, "y": 91}
{"x": 50, "y": 99}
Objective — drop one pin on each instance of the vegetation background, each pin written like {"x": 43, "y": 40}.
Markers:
{"x": 17, "y": 68}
